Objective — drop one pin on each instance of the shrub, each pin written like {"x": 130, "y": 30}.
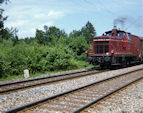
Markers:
{"x": 60, "y": 54}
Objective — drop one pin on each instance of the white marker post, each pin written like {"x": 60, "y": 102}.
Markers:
{"x": 26, "y": 73}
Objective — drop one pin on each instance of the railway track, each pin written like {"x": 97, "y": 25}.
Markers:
{"x": 78, "y": 99}
{"x": 127, "y": 100}
{"x": 12, "y": 86}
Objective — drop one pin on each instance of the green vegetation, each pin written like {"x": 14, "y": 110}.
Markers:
{"x": 21, "y": 76}
{"x": 51, "y": 50}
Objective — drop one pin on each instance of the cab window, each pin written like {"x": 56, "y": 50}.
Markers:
{"x": 108, "y": 34}
{"x": 129, "y": 36}
{"x": 121, "y": 34}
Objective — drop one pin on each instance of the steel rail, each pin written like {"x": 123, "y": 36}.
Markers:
{"x": 54, "y": 76}
{"x": 102, "y": 97}
{"x": 17, "y": 109}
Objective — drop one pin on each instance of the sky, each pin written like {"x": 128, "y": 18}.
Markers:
{"x": 69, "y": 15}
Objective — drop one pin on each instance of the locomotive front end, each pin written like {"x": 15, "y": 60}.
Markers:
{"x": 100, "y": 53}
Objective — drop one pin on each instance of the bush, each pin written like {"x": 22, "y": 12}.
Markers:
{"x": 61, "y": 54}
{"x": 58, "y": 57}
{"x": 78, "y": 45}
{"x": 14, "y": 59}
{"x": 5, "y": 48}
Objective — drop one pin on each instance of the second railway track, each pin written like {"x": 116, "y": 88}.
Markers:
{"x": 12, "y": 86}
{"x": 77, "y": 99}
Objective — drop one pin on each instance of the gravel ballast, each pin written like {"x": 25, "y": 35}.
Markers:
{"x": 127, "y": 100}
{"x": 15, "y": 99}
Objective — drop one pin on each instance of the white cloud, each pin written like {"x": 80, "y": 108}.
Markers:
{"x": 55, "y": 14}
{"x": 40, "y": 16}
{"x": 52, "y": 14}
{"x": 32, "y": 30}
{"x": 16, "y": 23}
{"x": 27, "y": 18}
{"x": 41, "y": 26}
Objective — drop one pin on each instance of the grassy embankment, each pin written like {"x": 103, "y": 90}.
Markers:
{"x": 18, "y": 77}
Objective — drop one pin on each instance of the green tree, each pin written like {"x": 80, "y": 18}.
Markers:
{"x": 29, "y": 40}
{"x": 75, "y": 33}
{"x": 6, "y": 33}
{"x": 45, "y": 37}
{"x": 10, "y": 33}
{"x": 40, "y": 36}
{"x": 55, "y": 32}
{"x": 88, "y": 31}
{"x": 2, "y": 19}
{"x": 2, "y": 1}
{"x": 79, "y": 46}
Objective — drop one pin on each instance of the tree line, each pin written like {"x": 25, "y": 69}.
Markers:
{"x": 51, "y": 49}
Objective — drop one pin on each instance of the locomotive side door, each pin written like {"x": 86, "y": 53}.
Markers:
{"x": 124, "y": 40}
{"x": 128, "y": 35}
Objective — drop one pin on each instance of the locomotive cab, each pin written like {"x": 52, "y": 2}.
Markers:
{"x": 101, "y": 52}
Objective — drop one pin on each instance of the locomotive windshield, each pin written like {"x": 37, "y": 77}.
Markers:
{"x": 121, "y": 34}
{"x": 101, "y": 47}
{"x": 108, "y": 33}
{"x": 118, "y": 33}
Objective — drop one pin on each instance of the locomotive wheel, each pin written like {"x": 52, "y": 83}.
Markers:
{"x": 128, "y": 63}
{"x": 102, "y": 66}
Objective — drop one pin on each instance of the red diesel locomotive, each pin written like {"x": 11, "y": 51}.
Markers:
{"x": 115, "y": 47}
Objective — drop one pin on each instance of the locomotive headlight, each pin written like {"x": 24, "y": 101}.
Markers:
{"x": 112, "y": 51}
{"x": 107, "y": 53}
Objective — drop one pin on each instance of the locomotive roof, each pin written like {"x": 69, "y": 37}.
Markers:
{"x": 141, "y": 38}
{"x": 118, "y": 30}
